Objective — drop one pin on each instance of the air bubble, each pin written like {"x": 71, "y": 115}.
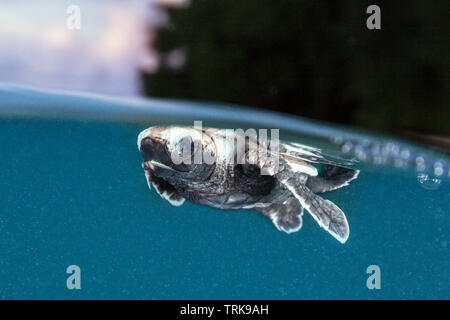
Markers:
{"x": 427, "y": 182}
{"x": 405, "y": 154}
{"x": 438, "y": 168}
{"x": 395, "y": 150}
{"x": 359, "y": 151}
{"x": 420, "y": 160}
{"x": 347, "y": 147}
{"x": 338, "y": 140}
{"x": 438, "y": 171}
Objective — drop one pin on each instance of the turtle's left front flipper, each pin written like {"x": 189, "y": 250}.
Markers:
{"x": 331, "y": 178}
{"x": 325, "y": 212}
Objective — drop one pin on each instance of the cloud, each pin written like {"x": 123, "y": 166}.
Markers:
{"x": 37, "y": 48}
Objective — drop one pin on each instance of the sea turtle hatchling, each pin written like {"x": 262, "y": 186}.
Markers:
{"x": 281, "y": 193}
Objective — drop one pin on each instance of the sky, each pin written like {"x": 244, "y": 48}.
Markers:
{"x": 114, "y": 41}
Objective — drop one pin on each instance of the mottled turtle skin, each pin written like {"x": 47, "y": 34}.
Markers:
{"x": 279, "y": 190}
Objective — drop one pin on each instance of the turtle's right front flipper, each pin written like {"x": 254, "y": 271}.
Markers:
{"x": 325, "y": 212}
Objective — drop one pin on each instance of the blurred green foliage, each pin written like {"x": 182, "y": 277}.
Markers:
{"x": 313, "y": 58}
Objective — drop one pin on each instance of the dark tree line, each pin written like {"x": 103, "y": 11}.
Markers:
{"x": 313, "y": 58}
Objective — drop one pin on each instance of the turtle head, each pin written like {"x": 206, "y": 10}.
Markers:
{"x": 177, "y": 154}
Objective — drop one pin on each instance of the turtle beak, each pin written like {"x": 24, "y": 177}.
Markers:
{"x": 153, "y": 150}
{"x": 153, "y": 133}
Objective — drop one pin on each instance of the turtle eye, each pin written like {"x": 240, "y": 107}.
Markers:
{"x": 185, "y": 149}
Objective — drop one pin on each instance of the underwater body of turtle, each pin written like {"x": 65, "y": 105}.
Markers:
{"x": 277, "y": 189}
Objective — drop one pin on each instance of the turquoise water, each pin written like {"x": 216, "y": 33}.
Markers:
{"x": 73, "y": 193}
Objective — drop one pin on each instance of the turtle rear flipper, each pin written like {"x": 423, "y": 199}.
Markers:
{"x": 286, "y": 216}
{"x": 331, "y": 178}
{"x": 325, "y": 212}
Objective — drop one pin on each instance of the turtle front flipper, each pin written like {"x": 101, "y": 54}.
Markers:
{"x": 164, "y": 189}
{"x": 331, "y": 178}
{"x": 286, "y": 216}
{"x": 325, "y": 212}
